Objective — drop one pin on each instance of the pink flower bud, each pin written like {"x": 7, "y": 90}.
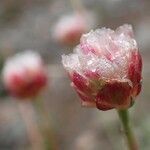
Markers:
{"x": 105, "y": 68}
{"x": 24, "y": 74}
{"x": 69, "y": 28}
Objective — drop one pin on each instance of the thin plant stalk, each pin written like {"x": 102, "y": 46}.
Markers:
{"x": 131, "y": 140}
{"x": 33, "y": 133}
{"x": 45, "y": 125}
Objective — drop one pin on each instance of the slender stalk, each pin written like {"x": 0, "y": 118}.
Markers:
{"x": 27, "y": 114}
{"x": 124, "y": 117}
{"x": 45, "y": 125}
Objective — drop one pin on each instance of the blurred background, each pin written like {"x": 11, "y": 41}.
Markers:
{"x": 28, "y": 24}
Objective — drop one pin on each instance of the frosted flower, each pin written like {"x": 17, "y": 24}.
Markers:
{"x": 105, "y": 68}
{"x": 24, "y": 74}
{"x": 69, "y": 28}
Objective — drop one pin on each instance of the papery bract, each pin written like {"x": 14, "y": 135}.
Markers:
{"x": 24, "y": 74}
{"x": 105, "y": 68}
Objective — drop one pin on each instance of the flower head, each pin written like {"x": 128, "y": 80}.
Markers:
{"x": 105, "y": 68}
{"x": 69, "y": 28}
{"x": 24, "y": 74}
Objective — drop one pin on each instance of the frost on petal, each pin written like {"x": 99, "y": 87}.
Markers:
{"x": 96, "y": 42}
{"x": 24, "y": 74}
{"x": 107, "y": 55}
{"x": 71, "y": 62}
{"x": 125, "y": 29}
{"x": 27, "y": 60}
{"x": 114, "y": 46}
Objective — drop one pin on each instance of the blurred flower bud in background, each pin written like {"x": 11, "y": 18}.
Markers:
{"x": 69, "y": 28}
{"x": 24, "y": 74}
{"x": 105, "y": 68}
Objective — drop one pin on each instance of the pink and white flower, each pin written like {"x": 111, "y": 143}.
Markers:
{"x": 105, "y": 68}
{"x": 24, "y": 74}
{"x": 69, "y": 28}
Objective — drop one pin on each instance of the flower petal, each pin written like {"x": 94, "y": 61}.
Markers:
{"x": 116, "y": 94}
{"x": 134, "y": 72}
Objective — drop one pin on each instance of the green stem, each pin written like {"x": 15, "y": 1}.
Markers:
{"x": 45, "y": 125}
{"x": 124, "y": 117}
